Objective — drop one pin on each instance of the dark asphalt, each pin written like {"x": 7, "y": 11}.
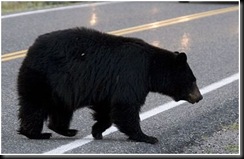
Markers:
{"x": 212, "y": 46}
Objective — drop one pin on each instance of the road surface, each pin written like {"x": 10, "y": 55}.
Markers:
{"x": 208, "y": 35}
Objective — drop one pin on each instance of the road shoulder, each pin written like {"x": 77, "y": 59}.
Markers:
{"x": 224, "y": 141}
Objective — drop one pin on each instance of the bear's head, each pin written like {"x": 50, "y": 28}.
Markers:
{"x": 183, "y": 81}
{"x": 174, "y": 77}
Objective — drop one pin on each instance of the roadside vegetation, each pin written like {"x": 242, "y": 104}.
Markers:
{"x": 22, "y": 6}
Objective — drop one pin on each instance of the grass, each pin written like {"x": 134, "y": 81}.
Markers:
{"x": 232, "y": 148}
{"x": 233, "y": 127}
{"x": 22, "y": 6}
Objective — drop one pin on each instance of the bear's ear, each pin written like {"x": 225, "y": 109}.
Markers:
{"x": 181, "y": 58}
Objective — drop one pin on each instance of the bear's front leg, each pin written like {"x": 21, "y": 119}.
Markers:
{"x": 60, "y": 121}
{"x": 127, "y": 120}
{"x": 102, "y": 116}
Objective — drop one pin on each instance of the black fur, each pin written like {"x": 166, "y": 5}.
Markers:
{"x": 70, "y": 69}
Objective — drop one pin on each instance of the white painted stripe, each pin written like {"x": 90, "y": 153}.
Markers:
{"x": 79, "y": 142}
{"x": 143, "y": 116}
{"x": 56, "y": 9}
{"x": 219, "y": 84}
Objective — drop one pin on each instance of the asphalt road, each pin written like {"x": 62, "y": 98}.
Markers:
{"x": 212, "y": 45}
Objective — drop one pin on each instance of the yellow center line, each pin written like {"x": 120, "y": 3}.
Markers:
{"x": 22, "y": 53}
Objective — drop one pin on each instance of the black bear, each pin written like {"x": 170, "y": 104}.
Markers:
{"x": 70, "y": 69}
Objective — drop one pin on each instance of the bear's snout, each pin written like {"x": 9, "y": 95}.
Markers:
{"x": 195, "y": 96}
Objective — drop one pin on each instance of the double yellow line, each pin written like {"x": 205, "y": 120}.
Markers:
{"x": 22, "y": 53}
{"x": 14, "y": 55}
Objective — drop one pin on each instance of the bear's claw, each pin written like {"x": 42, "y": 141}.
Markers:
{"x": 68, "y": 132}
{"x": 97, "y": 136}
{"x": 146, "y": 139}
{"x": 35, "y": 136}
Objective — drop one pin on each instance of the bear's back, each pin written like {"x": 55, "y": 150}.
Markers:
{"x": 88, "y": 62}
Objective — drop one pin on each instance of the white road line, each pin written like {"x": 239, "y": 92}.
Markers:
{"x": 56, "y": 9}
{"x": 143, "y": 116}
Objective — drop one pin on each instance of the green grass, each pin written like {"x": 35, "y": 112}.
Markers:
{"x": 22, "y": 6}
{"x": 234, "y": 126}
{"x": 232, "y": 148}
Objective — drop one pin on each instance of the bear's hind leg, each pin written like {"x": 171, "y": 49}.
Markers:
{"x": 31, "y": 121}
{"x": 102, "y": 116}
{"x": 34, "y": 97}
{"x": 127, "y": 120}
{"x": 60, "y": 122}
